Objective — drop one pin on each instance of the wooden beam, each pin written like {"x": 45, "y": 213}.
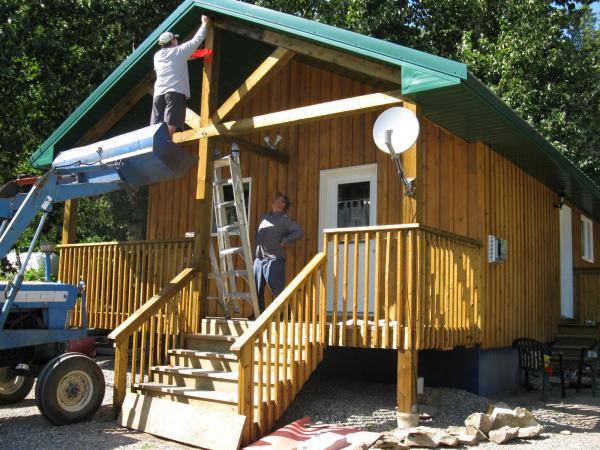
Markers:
{"x": 305, "y": 114}
{"x": 345, "y": 60}
{"x": 69, "y": 225}
{"x": 204, "y": 177}
{"x": 406, "y": 383}
{"x": 263, "y": 73}
{"x": 266, "y": 152}
{"x": 192, "y": 119}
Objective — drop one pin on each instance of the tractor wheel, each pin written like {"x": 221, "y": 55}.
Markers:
{"x": 14, "y": 388}
{"x": 70, "y": 389}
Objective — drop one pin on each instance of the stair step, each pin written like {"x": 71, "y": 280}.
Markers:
{"x": 217, "y": 380}
{"x": 225, "y": 401}
{"x": 233, "y": 327}
{"x": 209, "y": 342}
{"x": 203, "y": 360}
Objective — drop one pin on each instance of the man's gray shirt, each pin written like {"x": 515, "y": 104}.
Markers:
{"x": 170, "y": 65}
{"x": 273, "y": 230}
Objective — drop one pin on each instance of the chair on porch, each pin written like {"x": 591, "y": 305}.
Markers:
{"x": 532, "y": 361}
{"x": 590, "y": 359}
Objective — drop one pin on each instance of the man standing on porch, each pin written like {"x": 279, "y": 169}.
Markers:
{"x": 276, "y": 230}
{"x": 172, "y": 86}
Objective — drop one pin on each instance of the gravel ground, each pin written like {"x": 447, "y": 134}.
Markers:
{"x": 369, "y": 406}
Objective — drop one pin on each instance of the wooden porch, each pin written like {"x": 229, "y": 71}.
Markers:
{"x": 419, "y": 288}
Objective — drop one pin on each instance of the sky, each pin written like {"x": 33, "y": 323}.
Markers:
{"x": 596, "y": 8}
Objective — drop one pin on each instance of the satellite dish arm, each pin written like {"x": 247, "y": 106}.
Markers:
{"x": 409, "y": 190}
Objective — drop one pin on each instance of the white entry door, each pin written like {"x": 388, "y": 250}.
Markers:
{"x": 348, "y": 198}
{"x": 566, "y": 263}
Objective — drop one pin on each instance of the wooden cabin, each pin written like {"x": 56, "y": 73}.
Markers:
{"x": 376, "y": 268}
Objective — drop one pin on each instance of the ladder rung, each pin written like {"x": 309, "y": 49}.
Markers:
{"x": 231, "y": 251}
{"x": 238, "y": 295}
{"x": 219, "y": 163}
{"x": 232, "y": 227}
{"x": 235, "y": 273}
{"x": 223, "y": 182}
{"x": 226, "y": 204}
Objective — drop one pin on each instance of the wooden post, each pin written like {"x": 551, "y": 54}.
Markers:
{"x": 69, "y": 227}
{"x": 205, "y": 168}
{"x": 406, "y": 389}
{"x": 121, "y": 349}
{"x": 412, "y": 161}
{"x": 246, "y": 391}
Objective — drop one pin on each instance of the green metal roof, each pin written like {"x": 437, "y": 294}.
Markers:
{"x": 445, "y": 90}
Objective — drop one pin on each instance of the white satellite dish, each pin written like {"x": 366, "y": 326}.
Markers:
{"x": 397, "y": 127}
{"x": 395, "y": 131}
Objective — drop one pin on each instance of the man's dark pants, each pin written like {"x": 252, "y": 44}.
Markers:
{"x": 271, "y": 272}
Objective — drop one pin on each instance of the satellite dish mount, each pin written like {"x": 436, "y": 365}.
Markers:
{"x": 395, "y": 131}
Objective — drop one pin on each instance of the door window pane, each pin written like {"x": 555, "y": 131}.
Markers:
{"x": 354, "y": 204}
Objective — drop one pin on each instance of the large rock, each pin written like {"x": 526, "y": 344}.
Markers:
{"x": 445, "y": 440}
{"x": 530, "y": 432}
{"x": 469, "y": 439}
{"x": 500, "y": 405}
{"x": 504, "y": 434}
{"x": 478, "y": 422}
{"x": 519, "y": 417}
{"x": 420, "y": 439}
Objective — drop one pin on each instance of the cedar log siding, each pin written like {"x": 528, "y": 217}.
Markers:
{"x": 464, "y": 188}
{"x": 321, "y": 145}
{"x": 586, "y": 277}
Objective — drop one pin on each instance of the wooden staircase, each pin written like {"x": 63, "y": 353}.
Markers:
{"x": 227, "y": 383}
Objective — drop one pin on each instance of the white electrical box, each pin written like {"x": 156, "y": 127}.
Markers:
{"x": 497, "y": 249}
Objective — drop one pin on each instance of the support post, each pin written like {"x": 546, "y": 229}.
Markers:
{"x": 121, "y": 357}
{"x": 412, "y": 161}
{"x": 69, "y": 226}
{"x": 406, "y": 387}
{"x": 204, "y": 177}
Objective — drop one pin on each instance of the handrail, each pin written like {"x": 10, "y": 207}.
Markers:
{"x": 104, "y": 244}
{"x": 128, "y": 327}
{"x": 280, "y": 350}
{"x": 252, "y": 332}
{"x": 406, "y": 226}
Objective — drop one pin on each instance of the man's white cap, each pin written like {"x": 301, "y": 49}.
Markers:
{"x": 166, "y": 38}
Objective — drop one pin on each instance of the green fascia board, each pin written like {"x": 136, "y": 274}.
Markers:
{"x": 530, "y": 133}
{"x": 414, "y": 81}
{"x": 349, "y": 41}
{"x": 354, "y": 43}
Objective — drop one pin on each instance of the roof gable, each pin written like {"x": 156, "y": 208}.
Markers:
{"x": 448, "y": 94}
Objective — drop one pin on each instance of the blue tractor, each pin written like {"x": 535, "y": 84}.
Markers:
{"x": 35, "y": 317}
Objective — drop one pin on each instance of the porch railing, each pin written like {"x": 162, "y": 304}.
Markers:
{"x": 145, "y": 338}
{"x": 121, "y": 276}
{"x": 280, "y": 350}
{"x": 403, "y": 286}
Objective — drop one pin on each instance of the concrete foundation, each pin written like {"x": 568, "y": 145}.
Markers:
{"x": 483, "y": 372}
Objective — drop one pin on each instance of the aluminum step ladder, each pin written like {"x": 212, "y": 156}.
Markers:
{"x": 232, "y": 264}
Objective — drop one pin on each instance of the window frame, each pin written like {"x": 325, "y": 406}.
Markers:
{"x": 587, "y": 239}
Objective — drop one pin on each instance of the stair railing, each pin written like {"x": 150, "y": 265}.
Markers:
{"x": 280, "y": 350}
{"x": 145, "y": 338}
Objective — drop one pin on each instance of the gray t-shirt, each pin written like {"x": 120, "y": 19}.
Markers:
{"x": 170, "y": 65}
{"x": 273, "y": 230}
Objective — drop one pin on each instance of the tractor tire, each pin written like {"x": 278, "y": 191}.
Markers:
{"x": 70, "y": 389}
{"x": 14, "y": 388}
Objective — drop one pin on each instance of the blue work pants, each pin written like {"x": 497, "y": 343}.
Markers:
{"x": 271, "y": 272}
